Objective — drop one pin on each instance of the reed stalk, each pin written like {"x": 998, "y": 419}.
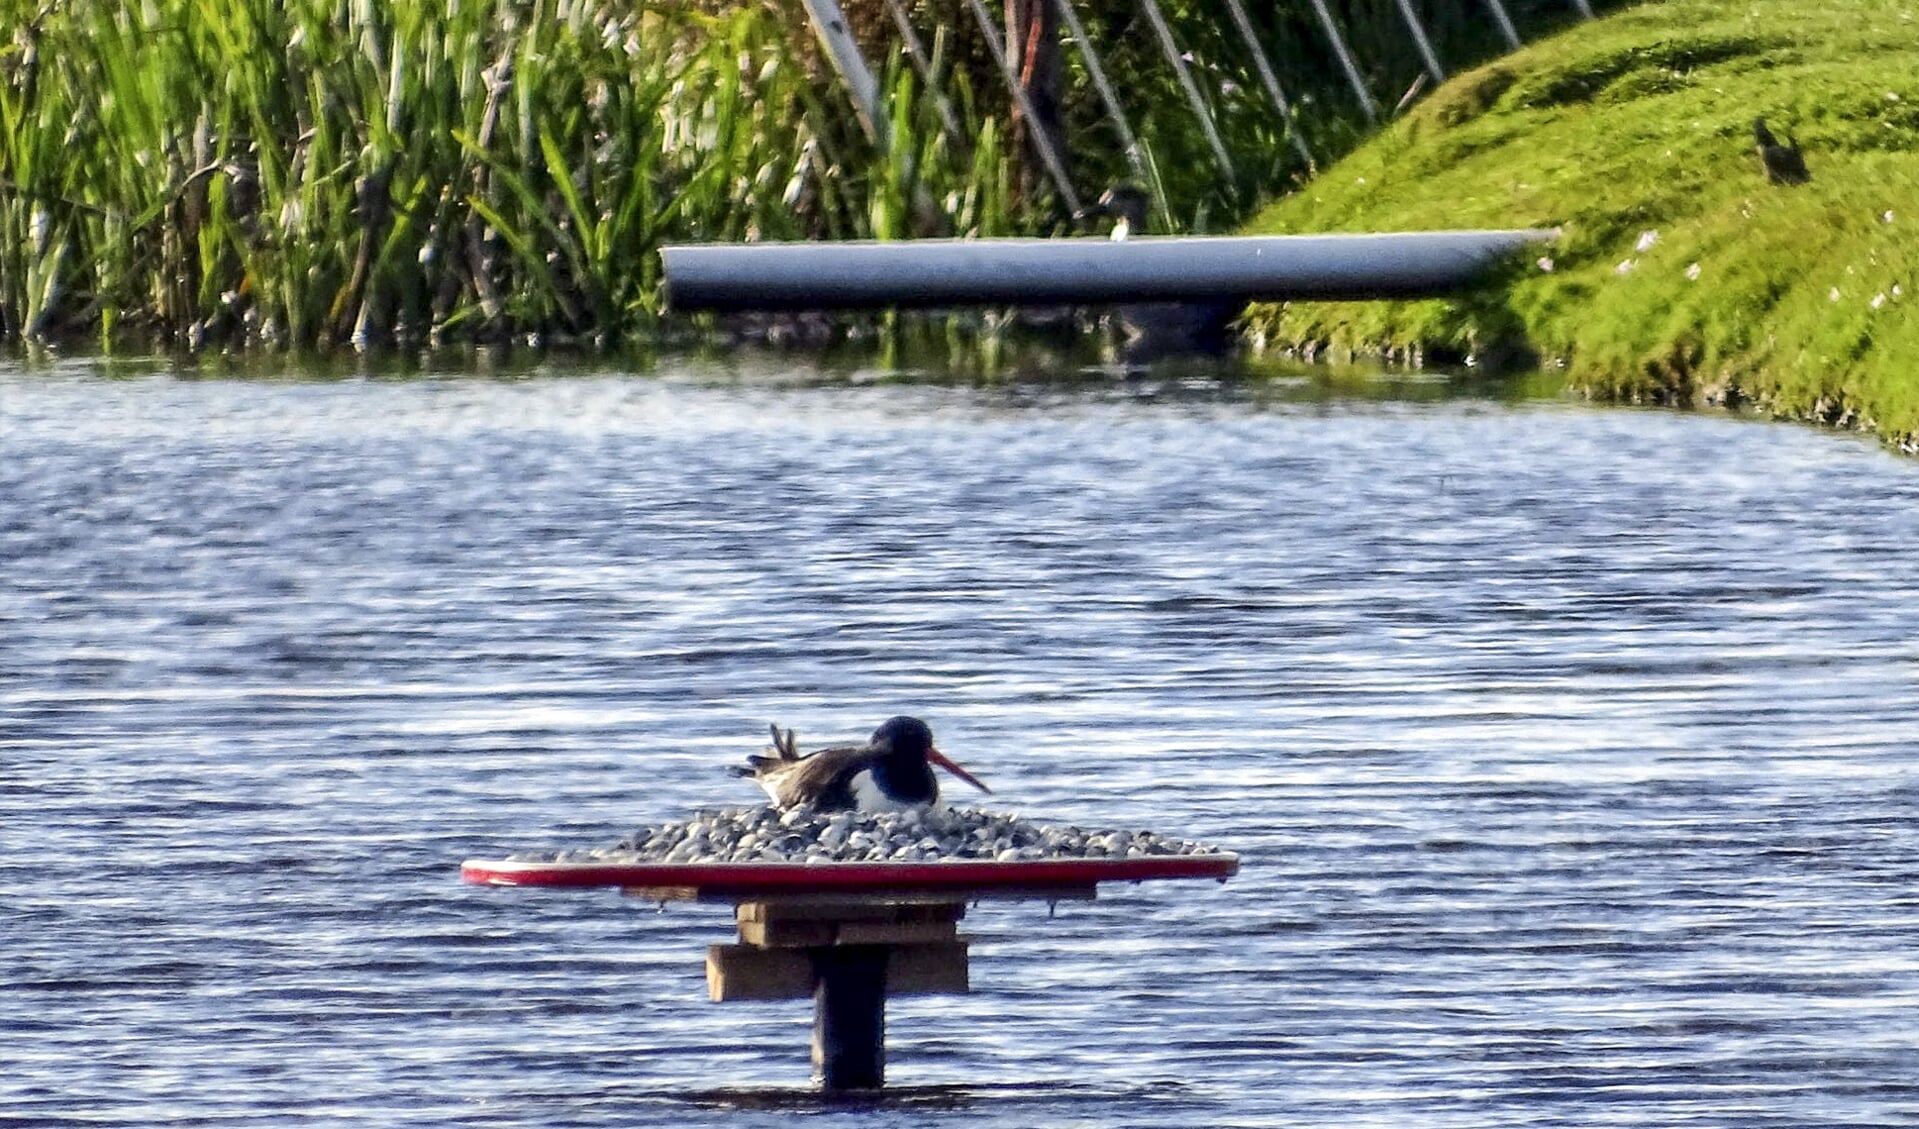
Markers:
{"x": 198, "y": 174}
{"x": 312, "y": 173}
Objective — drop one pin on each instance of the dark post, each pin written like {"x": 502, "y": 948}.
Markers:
{"x": 1032, "y": 51}
{"x": 849, "y": 1017}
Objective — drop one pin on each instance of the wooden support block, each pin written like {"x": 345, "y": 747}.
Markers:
{"x": 891, "y": 932}
{"x": 747, "y": 972}
{"x": 848, "y": 909}
{"x": 882, "y": 903}
{"x": 786, "y": 934}
{"x": 938, "y": 911}
{"x": 927, "y": 970}
{"x": 782, "y": 934}
{"x": 744, "y": 972}
{"x": 812, "y": 911}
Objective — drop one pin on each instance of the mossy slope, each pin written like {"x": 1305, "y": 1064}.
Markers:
{"x": 1682, "y": 276}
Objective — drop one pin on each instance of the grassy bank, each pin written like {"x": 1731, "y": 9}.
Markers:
{"x": 193, "y": 174}
{"x": 1683, "y": 276}
{"x": 218, "y": 174}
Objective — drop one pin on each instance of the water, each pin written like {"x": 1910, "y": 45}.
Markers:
{"x": 1569, "y": 752}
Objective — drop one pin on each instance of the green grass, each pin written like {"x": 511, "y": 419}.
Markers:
{"x": 312, "y": 173}
{"x": 1637, "y": 129}
{"x": 232, "y": 174}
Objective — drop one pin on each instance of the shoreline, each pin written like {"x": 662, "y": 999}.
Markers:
{"x": 1684, "y": 277}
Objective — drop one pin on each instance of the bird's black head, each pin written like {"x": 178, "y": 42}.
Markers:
{"x": 1761, "y": 134}
{"x": 908, "y": 735}
{"x": 1123, "y": 201}
{"x": 905, "y": 744}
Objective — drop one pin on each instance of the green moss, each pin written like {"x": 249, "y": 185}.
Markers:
{"x": 1681, "y": 276}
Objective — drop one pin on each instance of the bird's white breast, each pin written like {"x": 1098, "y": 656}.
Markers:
{"x": 868, "y": 797}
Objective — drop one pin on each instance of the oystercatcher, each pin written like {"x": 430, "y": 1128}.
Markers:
{"x": 889, "y": 773}
{"x": 1126, "y": 205}
{"x": 1156, "y": 330}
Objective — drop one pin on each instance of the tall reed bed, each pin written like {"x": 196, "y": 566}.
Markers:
{"x": 197, "y": 173}
{"x": 1324, "y": 109}
{"x": 312, "y": 173}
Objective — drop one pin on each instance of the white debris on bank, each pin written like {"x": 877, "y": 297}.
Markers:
{"x": 768, "y": 834}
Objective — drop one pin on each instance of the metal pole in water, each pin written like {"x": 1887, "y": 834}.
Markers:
{"x": 1055, "y": 164}
{"x": 987, "y": 272}
{"x": 1346, "y": 62}
{"x": 916, "y": 51}
{"x": 1269, "y": 79}
{"x": 849, "y": 1017}
{"x": 1166, "y": 43}
{"x": 1420, "y": 41}
{"x": 830, "y": 25}
{"x": 1094, "y": 70}
{"x": 1506, "y": 28}
{"x": 1033, "y": 52}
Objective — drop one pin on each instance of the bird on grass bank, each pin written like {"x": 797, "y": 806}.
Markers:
{"x": 1784, "y": 163}
{"x": 1156, "y": 330}
{"x": 1125, "y": 204}
{"x": 892, "y": 771}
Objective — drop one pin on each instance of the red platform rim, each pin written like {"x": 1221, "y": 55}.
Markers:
{"x": 848, "y": 877}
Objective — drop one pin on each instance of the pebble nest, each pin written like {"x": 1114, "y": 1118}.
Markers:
{"x": 803, "y": 835}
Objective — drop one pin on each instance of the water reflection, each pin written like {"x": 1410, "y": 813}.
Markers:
{"x": 1567, "y": 750}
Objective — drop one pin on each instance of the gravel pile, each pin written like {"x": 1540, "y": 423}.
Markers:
{"x": 768, "y": 834}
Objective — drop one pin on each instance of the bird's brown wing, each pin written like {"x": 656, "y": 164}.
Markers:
{"x": 812, "y": 777}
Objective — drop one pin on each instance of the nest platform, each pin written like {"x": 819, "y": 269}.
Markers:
{"x": 848, "y": 934}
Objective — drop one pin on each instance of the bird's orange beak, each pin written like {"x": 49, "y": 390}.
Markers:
{"x": 940, "y": 759}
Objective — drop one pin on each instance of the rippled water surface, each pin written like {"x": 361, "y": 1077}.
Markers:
{"x": 1569, "y": 752}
